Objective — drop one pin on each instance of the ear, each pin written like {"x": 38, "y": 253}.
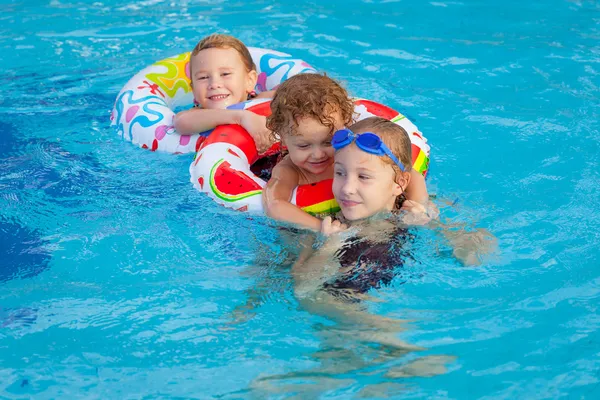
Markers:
{"x": 402, "y": 181}
{"x": 251, "y": 81}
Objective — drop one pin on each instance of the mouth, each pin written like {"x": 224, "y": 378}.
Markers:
{"x": 319, "y": 163}
{"x": 218, "y": 97}
{"x": 348, "y": 203}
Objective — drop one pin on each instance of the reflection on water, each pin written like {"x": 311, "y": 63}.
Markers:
{"x": 131, "y": 272}
{"x": 354, "y": 344}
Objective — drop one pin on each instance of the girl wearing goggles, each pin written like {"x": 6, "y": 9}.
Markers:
{"x": 372, "y": 171}
{"x": 371, "y": 176}
{"x": 306, "y": 110}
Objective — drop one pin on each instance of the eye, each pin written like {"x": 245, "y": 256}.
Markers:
{"x": 201, "y": 78}
{"x": 338, "y": 173}
{"x": 327, "y": 143}
{"x": 364, "y": 177}
{"x": 302, "y": 146}
{"x": 226, "y": 74}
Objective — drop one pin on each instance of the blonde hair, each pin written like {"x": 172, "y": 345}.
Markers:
{"x": 309, "y": 96}
{"x": 221, "y": 41}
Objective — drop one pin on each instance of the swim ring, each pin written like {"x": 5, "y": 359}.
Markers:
{"x": 144, "y": 109}
{"x": 222, "y": 166}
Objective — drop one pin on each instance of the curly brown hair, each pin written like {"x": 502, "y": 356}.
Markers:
{"x": 308, "y": 96}
{"x": 221, "y": 41}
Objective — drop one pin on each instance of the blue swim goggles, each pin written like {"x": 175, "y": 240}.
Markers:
{"x": 367, "y": 142}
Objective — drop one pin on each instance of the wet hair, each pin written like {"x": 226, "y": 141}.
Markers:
{"x": 308, "y": 96}
{"x": 393, "y": 136}
{"x": 221, "y": 41}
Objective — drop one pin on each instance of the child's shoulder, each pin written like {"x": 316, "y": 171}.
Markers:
{"x": 285, "y": 169}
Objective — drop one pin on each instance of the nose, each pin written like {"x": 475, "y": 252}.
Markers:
{"x": 214, "y": 82}
{"x": 318, "y": 153}
{"x": 348, "y": 186}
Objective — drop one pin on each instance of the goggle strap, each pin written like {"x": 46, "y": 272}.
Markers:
{"x": 392, "y": 156}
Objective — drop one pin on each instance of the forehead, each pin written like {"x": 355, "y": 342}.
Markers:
{"x": 309, "y": 126}
{"x": 351, "y": 157}
{"x": 217, "y": 58}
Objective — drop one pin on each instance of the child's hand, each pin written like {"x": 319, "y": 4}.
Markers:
{"x": 471, "y": 247}
{"x": 419, "y": 214}
{"x": 329, "y": 226}
{"x": 413, "y": 206}
{"x": 256, "y": 125}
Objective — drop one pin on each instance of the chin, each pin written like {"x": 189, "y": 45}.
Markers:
{"x": 217, "y": 106}
{"x": 352, "y": 215}
{"x": 319, "y": 170}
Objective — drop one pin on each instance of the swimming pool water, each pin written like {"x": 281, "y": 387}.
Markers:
{"x": 119, "y": 280}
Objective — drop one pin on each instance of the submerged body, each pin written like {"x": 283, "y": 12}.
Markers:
{"x": 366, "y": 264}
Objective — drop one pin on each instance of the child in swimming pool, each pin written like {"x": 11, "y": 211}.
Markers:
{"x": 222, "y": 73}
{"x": 371, "y": 174}
{"x": 305, "y": 112}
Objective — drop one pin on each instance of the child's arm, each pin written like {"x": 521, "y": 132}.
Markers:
{"x": 277, "y": 195}
{"x": 469, "y": 246}
{"x": 196, "y": 120}
{"x": 417, "y": 200}
{"x": 416, "y": 189}
{"x": 314, "y": 268}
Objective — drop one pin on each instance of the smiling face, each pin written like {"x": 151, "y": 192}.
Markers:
{"x": 309, "y": 146}
{"x": 363, "y": 184}
{"x": 220, "y": 78}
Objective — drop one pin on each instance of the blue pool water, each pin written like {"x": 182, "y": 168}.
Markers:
{"x": 118, "y": 280}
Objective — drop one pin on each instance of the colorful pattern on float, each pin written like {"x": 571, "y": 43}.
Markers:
{"x": 224, "y": 161}
{"x": 419, "y": 147}
{"x": 246, "y": 187}
{"x": 144, "y": 109}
